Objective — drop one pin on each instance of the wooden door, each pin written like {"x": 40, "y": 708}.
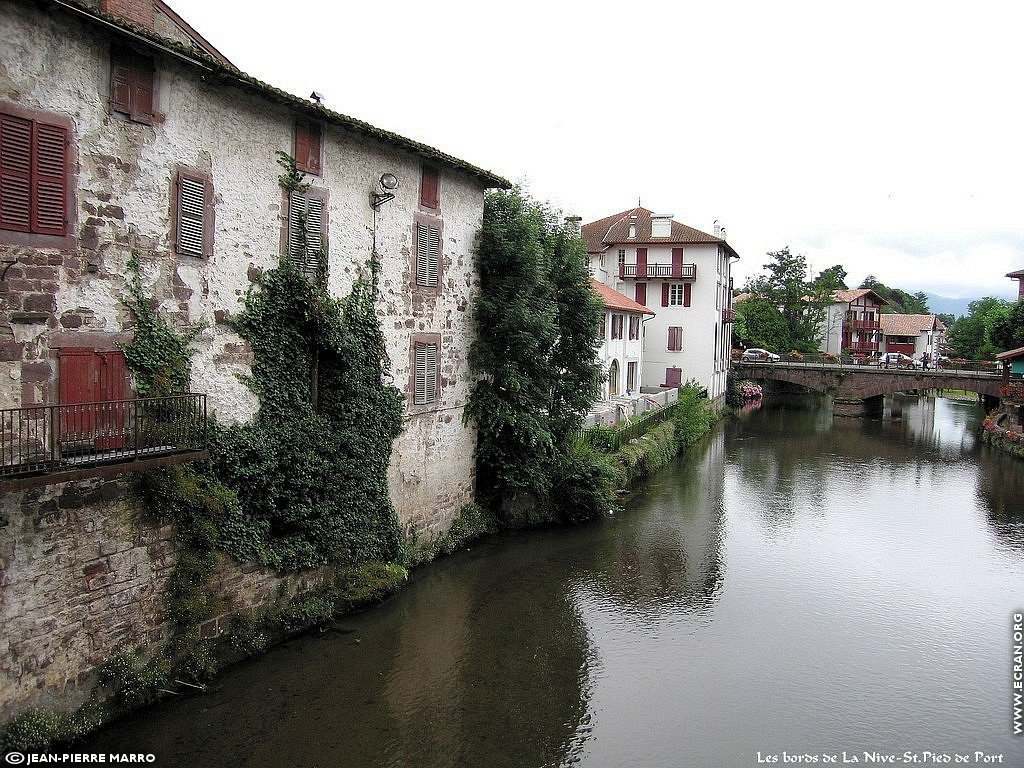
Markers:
{"x": 98, "y": 383}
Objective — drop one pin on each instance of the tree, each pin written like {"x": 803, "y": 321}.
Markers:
{"x": 761, "y": 324}
{"x": 971, "y": 336}
{"x": 1006, "y": 330}
{"x": 898, "y": 300}
{"x": 800, "y": 302}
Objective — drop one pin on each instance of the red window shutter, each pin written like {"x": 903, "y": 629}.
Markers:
{"x": 142, "y": 93}
{"x": 673, "y": 376}
{"x": 307, "y": 147}
{"x": 641, "y": 262}
{"x": 15, "y": 173}
{"x": 686, "y": 294}
{"x": 641, "y": 293}
{"x": 429, "y": 187}
{"x": 664, "y": 294}
{"x": 79, "y": 371}
{"x": 49, "y": 180}
{"x": 313, "y": 160}
{"x": 301, "y": 146}
{"x": 677, "y": 262}
{"x": 120, "y": 87}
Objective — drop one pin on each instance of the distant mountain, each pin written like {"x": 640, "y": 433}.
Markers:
{"x": 945, "y": 305}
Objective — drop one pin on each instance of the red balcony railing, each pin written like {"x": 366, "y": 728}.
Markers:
{"x": 860, "y": 324}
{"x": 659, "y": 271}
{"x": 861, "y": 346}
{"x": 45, "y": 439}
{"x": 728, "y": 315}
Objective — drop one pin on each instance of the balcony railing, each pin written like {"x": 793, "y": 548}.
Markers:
{"x": 659, "y": 271}
{"x": 861, "y": 346}
{"x": 67, "y": 439}
{"x": 728, "y": 315}
{"x": 863, "y": 325}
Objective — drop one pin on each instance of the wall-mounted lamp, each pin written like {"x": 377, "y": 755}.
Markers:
{"x": 388, "y": 183}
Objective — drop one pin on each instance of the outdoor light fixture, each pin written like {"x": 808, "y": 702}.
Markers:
{"x": 388, "y": 183}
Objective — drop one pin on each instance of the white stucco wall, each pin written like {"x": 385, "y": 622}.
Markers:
{"x": 57, "y": 64}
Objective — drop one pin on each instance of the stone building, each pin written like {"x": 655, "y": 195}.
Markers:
{"x": 122, "y": 130}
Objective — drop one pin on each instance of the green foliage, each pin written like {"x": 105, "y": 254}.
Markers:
{"x": 976, "y": 335}
{"x": 648, "y": 454}
{"x": 760, "y": 324}
{"x": 693, "y": 416}
{"x": 1006, "y": 329}
{"x": 39, "y": 730}
{"x": 310, "y": 469}
{"x": 158, "y": 354}
{"x": 899, "y": 301}
{"x": 583, "y": 485}
{"x": 537, "y": 318}
{"x": 132, "y": 681}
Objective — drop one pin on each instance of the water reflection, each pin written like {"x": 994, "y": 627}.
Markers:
{"x": 1001, "y": 490}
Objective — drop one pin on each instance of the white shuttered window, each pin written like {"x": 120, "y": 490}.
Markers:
{"x": 306, "y": 259}
{"x": 425, "y": 374}
{"x": 428, "y": 254}
{"x": 191, "y": 216}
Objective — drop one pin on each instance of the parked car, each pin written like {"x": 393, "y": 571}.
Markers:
{"x": 897, "y": 360}
{"x": 756, "y": 355}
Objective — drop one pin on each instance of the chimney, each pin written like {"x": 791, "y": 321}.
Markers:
{"x": 573, "y": 224}
{"x": 140, "y": 12}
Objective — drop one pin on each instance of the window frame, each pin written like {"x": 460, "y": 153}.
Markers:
{"x": 679, "y": 338}
{"x": 317, "y": 193}
{"x": 135, "y": 63}
{"x": 416, "y": 339}
{"x": 209, "y": 222}
{"x": 677, "y": 294}
{"x": 312, "y": 129}
{"x": 44, "y": 240}
{"x": 634, "y": 328}
{"x": 424, "y": 205}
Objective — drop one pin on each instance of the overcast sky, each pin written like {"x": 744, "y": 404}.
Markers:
{"x": 885, "y": 136}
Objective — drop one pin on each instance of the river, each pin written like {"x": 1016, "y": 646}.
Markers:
{"x": 795, "y": 584}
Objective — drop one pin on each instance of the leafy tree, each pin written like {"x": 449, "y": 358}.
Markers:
{"x": 1006, "y": 330}
{"x": 760, "y": 324}
{"x": 899, "y": 301}
{"x": 971, "y": 336}
{"x": 538, "y": 320}
{"x": 784, "y": 287}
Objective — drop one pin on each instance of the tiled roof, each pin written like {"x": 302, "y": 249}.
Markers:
{"x": 1011, "y": 354}
{"x": 855, "y": 293}
{"x": 614, "y": 230}
{"x": 1018, "y": 273}
{"x": 218, "y": 71}
{"x": 906, "y": 325}
{"x": 614, "y": 300}
{"x": 741, "y": 297}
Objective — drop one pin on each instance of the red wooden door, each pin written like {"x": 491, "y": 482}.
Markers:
{"x": 641, "y": 262}
{"x": 677, "y": 262}
{"x": 673, "y": 377}
{"x": 641, "y": 293}
{"x": 95, "y": 385}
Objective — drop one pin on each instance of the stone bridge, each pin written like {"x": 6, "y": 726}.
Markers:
{"x": 856, "y": 389}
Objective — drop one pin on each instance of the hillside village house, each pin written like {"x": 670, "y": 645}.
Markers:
{"x": 686, "y": 275}
{"x": 852, "y": 323}
{"x": 919, "y": 336}
{"x": 122, "y": 130}
{"x": 1018, "y": 275}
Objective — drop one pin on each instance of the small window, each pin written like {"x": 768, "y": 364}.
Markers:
{"x": 634, "y": 327}
{"x": 307, "y": 147}
{"x": 675, "y": 338}
{"x": 622, "y": 256}
{"x": 679, "y": 295}
{"x": 193, "y": 214}
{"x": 428, "y": 232}
{"x": 306, "y": 245}
{"x": 430, "y": 188}
{"x": 601, "y": 329}
{"x": 631, "y": 376}
{"x": 33, "y": 176}
{"x": 425, "y": 365}
{"x": 132, "y": 86}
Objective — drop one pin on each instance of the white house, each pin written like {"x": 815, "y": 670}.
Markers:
{"x": 622, "y": 348}
{"x": 852, "y": 323}
{"x": 684, "y": 272}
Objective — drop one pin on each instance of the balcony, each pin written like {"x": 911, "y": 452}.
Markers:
{"x": 55, "y": 443}
{"x": 659, "y": 271}
{"x": 859, "y": 324}
{"x": 728, "y": 315}
{"x": 861, "y": 346}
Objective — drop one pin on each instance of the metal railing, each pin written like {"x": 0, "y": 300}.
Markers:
{"x": 873, "y": 361}
{"x": 676, "y": 272}
{"x": 728, "y": 315}
{"x": 52, "y": 438}
{"x": 611, "y": 439}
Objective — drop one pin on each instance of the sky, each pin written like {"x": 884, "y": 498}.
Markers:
{"x": 883, "y": 136}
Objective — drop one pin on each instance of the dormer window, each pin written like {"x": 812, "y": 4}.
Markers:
{"x": 632, "y": 231}
{"x": 661, "y": 225}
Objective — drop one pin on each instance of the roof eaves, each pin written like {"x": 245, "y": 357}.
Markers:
{"x": 218, "y": 68}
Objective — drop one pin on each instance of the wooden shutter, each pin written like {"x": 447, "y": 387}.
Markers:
{"x": 142, "y": 92}
{"x": 307, "y": 147}
{"x": 686, "y": 294}
{"x": 15, "y": 173}
{"x": 675, "y": 338}
{"x": 641, "y": 293}
{"x": 677, "y": 262}
{"x": 120, "y": 86}
{"x": 49, "y": 180}
{"x": 673, "y": 377}
{"x": 429, "y": 187}
{"x": 664, "y": 294}
{"x": 308, "y": 260}
{"x": 425, "y": 374}
{"x": 641, "y": 262}
{"x": 428, "y": 254}
{"x": 191, "y": 215}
